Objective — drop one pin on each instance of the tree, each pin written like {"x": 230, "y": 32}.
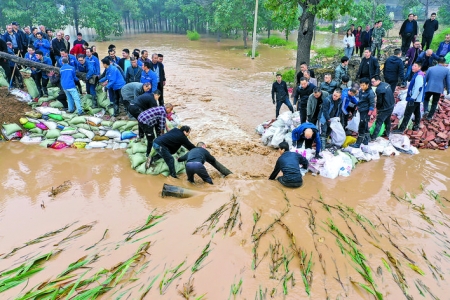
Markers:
{"x": 370, "y": 11}
{"x": 102, "y": 16}
{"x": 284, "y": 15}
{"x": 444, "y": 13}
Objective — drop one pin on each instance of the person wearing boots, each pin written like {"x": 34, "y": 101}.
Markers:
{"x": 414, "y": 98}
{"x": 331, "y": 108}
{"x": 289, "y": 163}
{"x": 40, "y": 77}
{"x": 307, "y": 133}
{"x": 385, "y": 106}
{"x": 365, "y": 107}
{"x": 169, "y": 143}
{"x": 86, "y": 66}
{"x": 113, "y": 81}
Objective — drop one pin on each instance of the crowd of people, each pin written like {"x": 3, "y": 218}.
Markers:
{"x": 425, "y": 73}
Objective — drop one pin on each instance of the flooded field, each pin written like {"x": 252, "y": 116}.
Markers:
{"x": 383, "y": 230}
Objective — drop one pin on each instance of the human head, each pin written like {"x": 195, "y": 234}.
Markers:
{"x": 410, "y": 17}
{"x": 364, "y": 83}
{"x": 39, "y": 54}
{"x": 355, "y": 86}
{"x": 112, "y": 47}
{"x": 201, "y": 145}
{"x": 81, "y": 58}
{"x": 9, "y": 28}
{"x": 308, "y": 133}
{"x": 415, "y": 17}
{"x": 65, "y": 61}
{"x": 85, "y": 45}
{"x": 367, "y": 27}
{"x": 303, "y": 66}
{"x": 327, "y": 78}
{"x": 160, "y": 57}
{"x": 317, "y": 92}
{"x": 447, "y": 38}
{"x": 154, "y": 58}
{"x": 63, "y": 53}
{"x": 58, "y": 35}
{"x": 79, "y": 36}
{"x": 352, "y": 26}
{"x": 433, "y": 16}
{"x": 307, "y": 74}
{"x": 144, "y": 54}
{"x": 126, "y": 53}
{"x": 49, "y": 32}
{"x": 112, "y": 53}
{"x": 417, "y": 44}
{"x": 359, "y": 28}
{"x": 133, "y": 62}
{"x": 376, "y": 80}
{"x": 67, "y": 37}
{"x": 303, "y": 82}
{"x": 380, "y": 23}
{"x": 146, "y": 86}
{"x": 157, "y": 94}
{"x": 352, "y": 92}
{"x": 42, "y": 28}
{"x": 429, "y": 52}
{"x": 349, "y": 32}
{"x": 39, "y": 35}
{"x": 345, "y": 79}
{"x": 186, "y": 130}
{"x": 441, "y": 60}
{"x": 283, "y": 147}
{"x": 344, "y": 60}
{"x": 279, "y": 77}
{"x": 15, "y": 25}
{"x": 34, "y": 30}
{"x": 146, "y": 66}
{"x": 169, "y": 109}
{"x": 337, "y": 94}
{"x": 367, "y": 52}
{"x": 416, "y": 67}
{"x": 106, "y": 62}
{"x": 27, "y": 30}
{"x": 88, "y": 52}
{"x": 398, "y": 52}
{"x": 30, "y": 49}
{"x": 136, "y": 54}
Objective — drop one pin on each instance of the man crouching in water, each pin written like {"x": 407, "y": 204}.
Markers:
{"x": 289, "y": 163}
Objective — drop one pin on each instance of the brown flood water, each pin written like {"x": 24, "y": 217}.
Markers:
{"x": 223, "y": 95}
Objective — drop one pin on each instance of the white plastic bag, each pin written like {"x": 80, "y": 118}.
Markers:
{"x": 399, "y": 109}
{"x": 353, "y": 124}
{"x": 337, "y": 132}
{"x": 347, "y": 165}
{"x": 21, "y": 95}
{"x": 268, "y": 134}
{"x": 278, "y": 137}
{"x": 331, "y": 167}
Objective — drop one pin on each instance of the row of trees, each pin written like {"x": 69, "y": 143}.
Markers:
{"x": 222, "y": 17}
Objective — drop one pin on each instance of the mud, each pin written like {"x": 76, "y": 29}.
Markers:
{"x": 107, "y": 194}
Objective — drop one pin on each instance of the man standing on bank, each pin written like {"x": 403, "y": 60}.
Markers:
{"x": 289, "y": 163}
{"x": 429, "y": 28}
{"x": 279, "y": 88}
{"x": 408, "y": 32}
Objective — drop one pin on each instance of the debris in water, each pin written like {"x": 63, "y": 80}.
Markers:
{"x": 60, "y": 189}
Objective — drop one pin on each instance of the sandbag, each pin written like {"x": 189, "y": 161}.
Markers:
{"x": 126, "y": 135}
{"x": 31, "y": 140}
{"x": 94, "y": 120}
{"x": 79, "y": 145}
{"x": 337, "y": 132}
{"x": 49, "y": 124}
{"x": 113, "y": 134}
{"x": 100, "y": 138}
{"x": 48, "y": 110}
{"x": 107, "y": 123}
{"x": 52, "y": 134}
{"x": 58, "y": 145}
{"x": 67, "y": 139}
{"x": 11, "y": 128}
{"x": 119, "y": 124}
{"x": 399, "y": 109}
{"x": 130, "y": 125}
{"x": 42, "y": 126}
{"x": 63, "y": 123}
{"x": 353, "y": 124}
{"x": 22, "y": 96}
{"x": 33, "y": 114}
{"x": 97, "y": 145}
{"x": 31, "y": 87}
{"x": 86, "y": 102}
{"x": 36, "y": 130}
{"x": 68, "y": 117}
{"x": 46, "y": 143}
{"x": 137, "y": 159}
{"x": 29, "y": 125}
{"x": 23, "y": 121}
{"x": 87, "y": 133}
{"x": 55, "y": 117}
{"x": 3, "y": 80}
{"x": 138, "y": 148}
{"x": 78, "y": 135}
{"x": 102, "y": 97}
{"x": 35, "y": 121}
{"x": 56, "y": 104}
{"x": 78, "y": 120}
{"x": 82, "y": 140}
{"x": 349, "y": 140}
{"x": 69, "y": 131}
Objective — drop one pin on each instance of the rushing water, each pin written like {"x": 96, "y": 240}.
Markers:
{"x": 223, "y": 95}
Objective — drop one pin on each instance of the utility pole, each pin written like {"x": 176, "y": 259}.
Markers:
{"x": 254, "y": 30}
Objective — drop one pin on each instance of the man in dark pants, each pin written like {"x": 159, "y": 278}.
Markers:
{"x": 140, "y": 104}
{"x": 365, "y": 106}
{"x": 385, "y": 106}
{"x": 151, "y": 119}
{"x": 307, "y": 133}
{"x": 429, "y": 27}
{"x": 195, "y": 160}
{"x": 394, "y": 69}
{"x": 408, "y": 32}
{"x": 437, "y": 79}
{"x": 366, "y": 39}
{"x": 414, "y": 96}
{"x": 301, "y": 95}
{"x": 279, "y": 88}
{"x": 314, "y": 105}
{"x": 289, "y": 163}
{"x": 158, "y": 68}
{"x": 169, "y": 143}
{"x": 331, "y": 108}
{"x": 3, "y": 61}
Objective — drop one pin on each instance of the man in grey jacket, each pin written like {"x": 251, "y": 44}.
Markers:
{"x": 437, "y": 79}
{"x": 314, "y": 105}
{"x": 341, "y": 70}
{"x": 132, "y": 90}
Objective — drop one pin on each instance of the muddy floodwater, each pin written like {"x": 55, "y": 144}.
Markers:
{"x": 385, "y": 229}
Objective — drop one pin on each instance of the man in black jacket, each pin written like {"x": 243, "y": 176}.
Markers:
{"x": 140, "y": 104}
{"x": 301, "y": 95}
{"x": 280, "y": 91}
{"x": 195, "y": 160}
{"x": 408, "y": 32}
{"x": 429, "y": 27}
{"x": 303, "y": 68}
{"x": 394, "y": 69}
{"x": 369, "y": 66}
{"x": 58, "y": 45}
{"x": 366, "y": 39}
{"x": 385, "y": 106}
{"x": 169, "y": 143}
{"x": 158, "y": 68}
{"x": 366, "y": 105}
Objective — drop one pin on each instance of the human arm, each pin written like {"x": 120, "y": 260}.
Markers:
{"x": 371, "y": 101}
{"x": 183, "y": 158}
{"x": 302, "y": 161}
{"x": 436, "y": 26}
{"x": 285, "y": 89}
{"x": 296, "y": 96}
{"x": 318, "y": 143}
{"x": 275, "y": 171}
{"x": 162, "y": 123}
{"x": 90, "y": 71}
{"x": 209, "y": 158}
{"x": 273, "y": 92}
{"x": 187, "y": 143}
{"x": 448, "y": 82}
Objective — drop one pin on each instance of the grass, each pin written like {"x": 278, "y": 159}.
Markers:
{"x": 275, "y": 41}
{"x": 438, "y": 38}
{"x": 193, "y": 35}
{"x": 249, "y": 53}
{"x": 148, "y": 224}
{"x": 324, "y": 28}
{"x": 326, "y": 52}
{"x": 201, "y": 258}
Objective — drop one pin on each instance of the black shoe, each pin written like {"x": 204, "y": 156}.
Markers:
{"x": 397, "y": 131}
{"x": 416, "y": 128}
{"x": 174, "y": 175}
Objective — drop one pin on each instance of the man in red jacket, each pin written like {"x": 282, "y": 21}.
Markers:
{"x": 79, "y": 49}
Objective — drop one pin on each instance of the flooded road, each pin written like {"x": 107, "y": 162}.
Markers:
{"x": 389, "y": 220}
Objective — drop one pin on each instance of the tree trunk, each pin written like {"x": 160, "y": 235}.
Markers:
{"x": 75, "y": 15}
{"x": 218, "y": 35}
{"x": 305, "y": 34}
{"x": 32, "y": 64}
{"x": 286, "y": 34}
{"x": 333, "y": 27}
{"x": 244, "y": 37}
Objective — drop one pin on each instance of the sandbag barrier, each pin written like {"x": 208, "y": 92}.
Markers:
{"x": 51, "y": 127}
{"x": 339, "y": 159}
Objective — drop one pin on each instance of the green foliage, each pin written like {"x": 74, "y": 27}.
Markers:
{"x": 193, "y": 35}
{"x": 249, "y": 53}
{"x": 438, "y": 38}
{"x": 275, "y": 41}
{"x": 289, "y": 76}
{"x": 444, "y": 13}
{"x": 369, "y": 11}
{"x": 324, "y": 28}
{"x": 327, "y": 52}
{"x": 285, "y": 15}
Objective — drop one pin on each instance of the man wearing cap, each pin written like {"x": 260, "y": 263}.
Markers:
{"x": 79, "y": 40}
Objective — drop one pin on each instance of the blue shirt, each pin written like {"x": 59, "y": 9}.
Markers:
{"x": 68, "y": 77}
{"x": 114, "y": 77}
{"x": 150, "y": 77}
{"x": 96, "y": 63}
{"x": 72, "y": 61}
{"x": 42, "y": 45}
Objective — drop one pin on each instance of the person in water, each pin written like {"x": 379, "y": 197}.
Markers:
{"x": 289, "y": 163}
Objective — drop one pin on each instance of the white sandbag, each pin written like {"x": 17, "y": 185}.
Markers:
{"x": 97, "y": 145}
{"x": 82, "y": 140}
{"x": 69, "y": 131}
{"x": 101, "y": 132}
{"x": 337, "y": 132}
{"x": 21, "y": 95}
{"x": 402, "y": 95}
{"x": 100, "y": 114}
{"x": 68, "y": 139}
{"x": 353, "y": 124}
{"x": 268, "y": 134}
{"x": 390, "y": 151}
{"x": 400, "y": 141}
{"x": 260, "y": 129}
{"x": 347, "y": 165}
{"x": 94, "y": 120}
{"x": 331, "y": 167}
{"x": 358, "y": 153}
{"x": 278, "y": 137}
{"x": 45, "y": 110}
{"x": 112, "y": 134}
{"x": 279, "y": 123}
{"x": 372, "y": 150}
{"x": 87, "y": 133}
{"x": 399, "y": 109}
{"x": 49, "y": 124}
{"x": 123, "y": 145}
{"x": 31, "y": 140}
{"x": 286, "y": 117}
{"x": 296, "y": 119}
{"x": 288, "y": 138}
{"x": 35, "y": 121}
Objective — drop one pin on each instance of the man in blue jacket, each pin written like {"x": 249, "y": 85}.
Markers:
{"x": 85, "y": 66}
{"x": 158, "y": 68}
{"x": 149, "y": 76}
{"x": 426, "y": 58}
{"x": 444, "y": 47}
{"x": 68, "y": 78}
{"x": 437, "y": 79}
{"x": 42, "y": 44}
{"x": 289, "y": 163}
{"x": 94, "y": 60}
{"x": 40, "y": 77}
{"x": 113, "y": 81}
{"x": 349, "y": 102}
{"x": 394, "y": 69}
{"x": 307, "y": 133}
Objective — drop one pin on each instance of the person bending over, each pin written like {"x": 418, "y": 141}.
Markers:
{"x": 195, "y": 160}
{"x": 307, "y": 132}
{"x": 289, "y": 163}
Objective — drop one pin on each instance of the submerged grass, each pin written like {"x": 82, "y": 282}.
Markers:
{"x": 148, "y": 224}
{"x": 77, "y": 233}
{"x": 169, "y": 276}
{"x": 201, "y": 258}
